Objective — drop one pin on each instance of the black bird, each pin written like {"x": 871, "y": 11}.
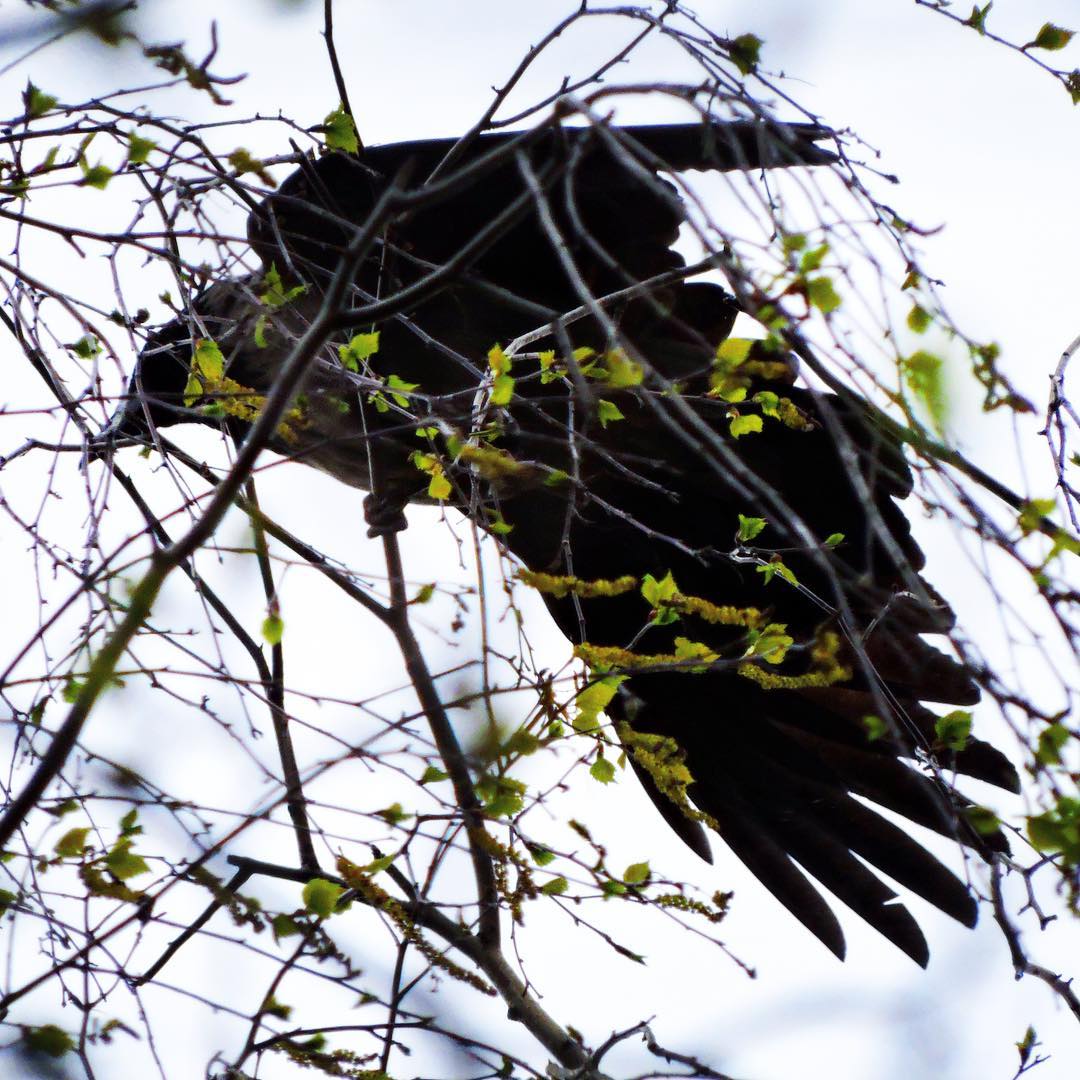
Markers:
{"x": 775, "y": 671}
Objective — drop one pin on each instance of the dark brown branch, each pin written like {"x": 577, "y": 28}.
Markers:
{"x": 275, "y": 694}
{"x": 163, "y": 562}
{"x": 447, "y": 743}
{"x": 339, "y": 77}
{"x": 1021, "y": 964}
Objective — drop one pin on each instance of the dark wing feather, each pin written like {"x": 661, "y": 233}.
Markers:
{"x": 775, "y": 769}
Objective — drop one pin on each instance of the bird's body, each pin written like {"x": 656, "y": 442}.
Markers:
{"x": 762, "y": 656}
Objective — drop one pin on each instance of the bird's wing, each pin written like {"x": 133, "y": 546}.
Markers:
{"x": 781, "y": 761}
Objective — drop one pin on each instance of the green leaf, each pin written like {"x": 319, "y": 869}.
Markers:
{"x": 393, "y": 814}
{"x": 607, "y": 412}
{"x": 193, "y": 390}
{"x": 359, "y": 349}
{"x": 272, "y": 628}
{"x": 768, "y": 402}
{"x": 622, "y": 372}
{"x": 593, "y": 700}
{"x": 924, "y": 373}
{"x": 1031, "y": 515}
{"x": 834, "y": 539}
{"x": 745, "y": 52}
{"x": 954, "y": 729}
{"x": 399, "y": 389}
{"x": 822, "y": 294}
{"x": 1058, "y": 830}
{"x": 284, "y": 926}
{"x": 7, "y": 898}
{"x": 243, "y": 161}
{"x": 439, "y": 487}
{"x": 48, "y": 1039}
{"x": 771, "y": 644}
{"x": 602, "y": 770}
{"x": 72, "y": 844}
{"x": 1051, "y": 742}
{"x": 745, "y": 425}
{"x": 775, "y": 567}
{"x": 274, "y": 294}
{"x": 555, "y": 887}
{"x": 734, "y": 351}
{"x": 339, "y": 131}
{"x": 636, "y": 873}
{"x": 977, "y": 18}
{"x": 749, "y": 527}
{"x": 499, "y": 362}
{"x": 542, "y": 856}
{"x": 128, "y": 823}
{"x": 1051, "y": 38}
{"x": 377, "y": 866}
{"x": 139, "y": 149}
{"x": 432, "y": 775}
{"x": 1072, "y": 84}
{"x": 72, "y": 690}
{"x": 320, "y": 897}
{"x": 1025, "y": 1047}
{"x": 124, "y": 863}
{"x": 1046, "y": 834}
{"x": 95, "y": 176}
{"x": 875, "y": 728}
{"x": 424, "y": 593}
{"x": 37, "y": 102}
{"x": 919, "y": 319}
{"x": 813, "y": 259}
{"x": 983, "y": 820}
{"x": 659, "y": 594}
{"x": 207, "y": 360}
{"x": 502, "y": 389}
{"x": 87, "y": 347}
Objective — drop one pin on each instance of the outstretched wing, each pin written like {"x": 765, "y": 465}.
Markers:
{"x": 516, "y": 232}
{"x": 782, "y": 753}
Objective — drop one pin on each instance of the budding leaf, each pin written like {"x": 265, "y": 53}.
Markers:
{"x": 339, "y": 131}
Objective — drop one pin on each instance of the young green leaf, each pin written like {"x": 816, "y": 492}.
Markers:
{"x": 139, "y": 149}
{"x": 749, "y": 527}
{"x": 602, "y": 770}
{"x": 48, "y": 1039}
{"x": 272, "y": 628}
{"x": 823, "y": 295}
{"x": 359, "y": 349}
{"x": 320, "y": 897}
{"x": 36, "y": 101}
{"x": 745, "y": 51}
{"x": 954, "y": 729}
{"x": 555, "y": 887}
{"x": 124, "y": 863}
{"x": 339, "y": 131}
{"x": 607, "y": 412}
{"x": 72, "y": 844}
{"x": 745, "y": 425}
{"x": 875, "y": 728}
{"x": 1051, "y": 38}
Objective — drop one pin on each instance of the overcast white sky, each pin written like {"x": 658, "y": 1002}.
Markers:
{"x": 985, "y": 145}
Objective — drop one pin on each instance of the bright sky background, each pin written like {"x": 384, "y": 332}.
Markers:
{"x": 984, "y": 144}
